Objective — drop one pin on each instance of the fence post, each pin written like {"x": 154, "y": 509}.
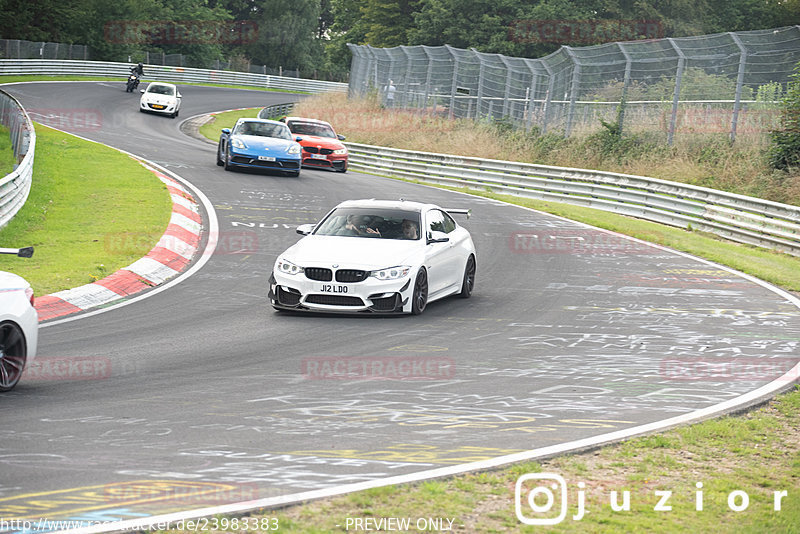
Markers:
{"x": 547, "y": 97}
{"x": 428, "y": 80}
{"x": 481, "y": 71}
{"x": 677, "y": 95}
{"x": 576, "y": 77}
{"x": 454, "y": 87}
{"x": 625, "y": 83}
{"x": 507, "y": 95}
{"x": 739, "y": 83}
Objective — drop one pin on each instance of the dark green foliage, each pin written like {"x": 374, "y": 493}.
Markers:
{"x": 784, "y": 151}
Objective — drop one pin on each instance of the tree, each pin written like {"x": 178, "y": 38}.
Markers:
{"x": 387, "y": 22}
{"x": 286, "y": 34}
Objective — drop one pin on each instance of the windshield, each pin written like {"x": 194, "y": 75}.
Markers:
{"x": 311, "y": 128}
{"x": 371, "y": 223}
{"x": 263, "y": 129}
{"x": 161, "y": 90}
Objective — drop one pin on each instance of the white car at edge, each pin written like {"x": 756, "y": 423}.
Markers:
{"x": 160, "y": 97}
{"x": 19, "y": 324}
{"x": 375, "y": 256}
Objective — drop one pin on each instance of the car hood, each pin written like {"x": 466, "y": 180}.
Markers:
{"x": 260, "y": 142}
{"x": 322, "y": 142}
{"x": 352, "y": 252}
{"x": 158, "y": 99}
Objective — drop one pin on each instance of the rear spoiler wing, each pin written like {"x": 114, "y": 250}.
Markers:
{"x": 25, "y": 252}
{"x": 459, "y": 211}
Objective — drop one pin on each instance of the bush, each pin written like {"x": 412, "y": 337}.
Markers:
{"x": 784, "y": 152}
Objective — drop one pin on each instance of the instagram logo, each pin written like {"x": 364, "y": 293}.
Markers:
{"x": 539, "y": 498}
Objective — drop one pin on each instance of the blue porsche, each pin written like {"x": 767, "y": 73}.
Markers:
{"x": 259, "y": 144}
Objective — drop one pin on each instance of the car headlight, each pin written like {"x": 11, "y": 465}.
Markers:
{"x": 392, "y": 273}
{"x": 341, "y": 151}
{"x": 294, "y": 149}
{"x": 287, "y": 267}
{"x": 238, "y": 143}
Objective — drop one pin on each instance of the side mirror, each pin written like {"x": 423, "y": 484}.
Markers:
{"x": 340, "y": 137}
{"x": 141, "y": 91}
{"x": 305, "y": 229}
{"x": 298, "y": 138}
{"x": 226, "y": 131}
{"x": 180, "y": 95}
{"x": 437, "y": 237}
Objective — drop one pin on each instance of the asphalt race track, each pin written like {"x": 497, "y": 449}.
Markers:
{"x": 205, "y": 395}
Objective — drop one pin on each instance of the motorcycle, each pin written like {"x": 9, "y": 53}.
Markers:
{"x": 133, "y": 82}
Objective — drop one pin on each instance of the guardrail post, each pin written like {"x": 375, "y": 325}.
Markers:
{"x": 676, "y": 97}
{"x": 737, "y": 102}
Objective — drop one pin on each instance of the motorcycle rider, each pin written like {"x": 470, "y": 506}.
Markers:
{"x": 137, "y": 71}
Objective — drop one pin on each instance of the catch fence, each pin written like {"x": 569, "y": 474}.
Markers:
{"x": 728, "y": 83}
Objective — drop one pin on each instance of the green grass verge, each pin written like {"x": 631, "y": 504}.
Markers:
{"x": 145, "y": 80}
{"x": 226, "y": 119}
{"x": 755, "y": 453}
{"x": 7, "y": 160}
{"x": 91, "y": 210}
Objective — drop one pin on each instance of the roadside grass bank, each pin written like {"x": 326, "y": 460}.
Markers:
{"x": 145, "y": 80}
{"x": 7, "y": 160}
{"x": 212, "y": 129}
{"x": 91, "y": 211}
{"x": 708, "y": 468}
{"x": 707, "y": 160}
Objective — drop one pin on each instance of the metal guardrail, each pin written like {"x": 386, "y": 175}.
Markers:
{"x": 54, "y": 67}
{"x": 736, "y": 217}
{"x": 276, "y": 111}
{"x": 15, "y": 186}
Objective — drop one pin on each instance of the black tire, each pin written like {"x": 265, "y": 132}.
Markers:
{"x": 13, "y": 355}
{"x": 468, "y": 282}
{"x": 419, "y": 299}
{"x": 226, "y": 163}
{"x": 219, "y": 153}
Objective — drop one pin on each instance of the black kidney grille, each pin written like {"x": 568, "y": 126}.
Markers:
{"x": 351, "y": 275}
{"x": 319, "y": 273}
{"x": 311, "y": 149}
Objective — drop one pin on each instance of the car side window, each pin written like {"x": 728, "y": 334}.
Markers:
{"x": 435, "y": 221}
